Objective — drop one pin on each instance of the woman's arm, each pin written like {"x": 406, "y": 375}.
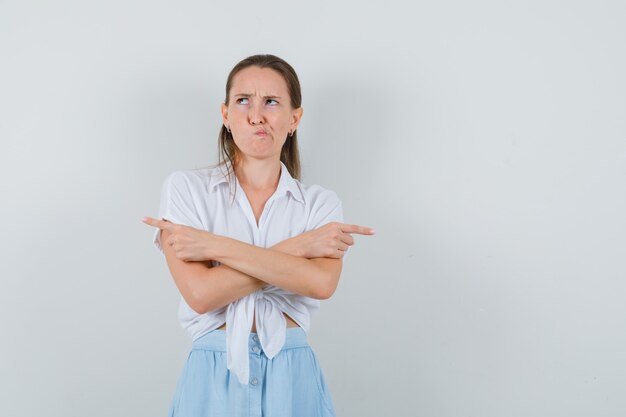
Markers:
{"x": 205, "y": 287}
{"x": 188, "y": 251}
{"x": 315, "y": 278}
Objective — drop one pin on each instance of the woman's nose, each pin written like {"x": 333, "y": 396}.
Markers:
{"x": 255, "y": 114}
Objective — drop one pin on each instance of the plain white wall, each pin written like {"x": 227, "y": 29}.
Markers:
{"x": 485, "y": 141}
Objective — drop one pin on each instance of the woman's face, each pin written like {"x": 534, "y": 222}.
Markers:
{"x": 259, "y": 112}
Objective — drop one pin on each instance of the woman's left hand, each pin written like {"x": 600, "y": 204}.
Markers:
{"x": 188, "y": 243}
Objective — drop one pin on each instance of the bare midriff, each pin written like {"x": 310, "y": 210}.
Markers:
{"x": 290, "y": 323}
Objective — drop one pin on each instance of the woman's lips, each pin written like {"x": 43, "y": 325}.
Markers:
{"x": 261, "y": 133}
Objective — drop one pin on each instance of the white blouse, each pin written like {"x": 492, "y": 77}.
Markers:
{"x": 202, "y": 199}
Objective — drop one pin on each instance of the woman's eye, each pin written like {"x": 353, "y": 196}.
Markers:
{"x": 242, "y": 100}
{"x": 271, "y": 101}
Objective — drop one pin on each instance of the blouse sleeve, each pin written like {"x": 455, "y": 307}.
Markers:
{"x": 177, "y": 204}
{"x": 326, "y": 208}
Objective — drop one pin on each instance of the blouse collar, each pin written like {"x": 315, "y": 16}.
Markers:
{"x": 286, "y": 183}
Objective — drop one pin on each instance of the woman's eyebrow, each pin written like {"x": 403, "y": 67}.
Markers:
{"x": 250, "y": 95}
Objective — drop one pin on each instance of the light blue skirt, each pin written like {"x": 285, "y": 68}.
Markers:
{"x": 289, "y": 385}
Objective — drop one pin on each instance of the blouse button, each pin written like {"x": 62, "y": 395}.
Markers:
{"x": 255, "y": 338}
{"x": 255, "y": 349}
{"x": 254, "y": 381}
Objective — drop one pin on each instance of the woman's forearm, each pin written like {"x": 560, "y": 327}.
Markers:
{"x": 292, "y": 273}
{"x": 221, "y": 285}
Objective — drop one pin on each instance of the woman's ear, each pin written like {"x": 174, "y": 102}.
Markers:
{"x": 224, "y": 110}
{"x": 296, "y": 115}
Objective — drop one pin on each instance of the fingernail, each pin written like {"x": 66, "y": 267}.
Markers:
{"x": 372, "y": 231}
{"x": 143, "y": 219}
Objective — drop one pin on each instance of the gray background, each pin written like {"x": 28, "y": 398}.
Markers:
{"x": 485, "y": 142}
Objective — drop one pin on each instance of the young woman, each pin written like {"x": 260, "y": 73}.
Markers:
{"x": 252, "y": 251}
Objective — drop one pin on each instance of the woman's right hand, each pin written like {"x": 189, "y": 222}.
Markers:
{"x": 329, "y": 241}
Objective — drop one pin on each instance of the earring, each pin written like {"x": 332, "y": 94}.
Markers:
{"x": 290, "y": 133}
{"x": 227, "y": 129}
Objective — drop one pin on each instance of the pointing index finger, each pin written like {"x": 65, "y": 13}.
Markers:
{"x": 353, "y": 228}
{"x": 161, "y": 224}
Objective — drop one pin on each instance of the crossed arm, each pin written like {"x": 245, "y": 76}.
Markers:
{"x": 247, "y": 268}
